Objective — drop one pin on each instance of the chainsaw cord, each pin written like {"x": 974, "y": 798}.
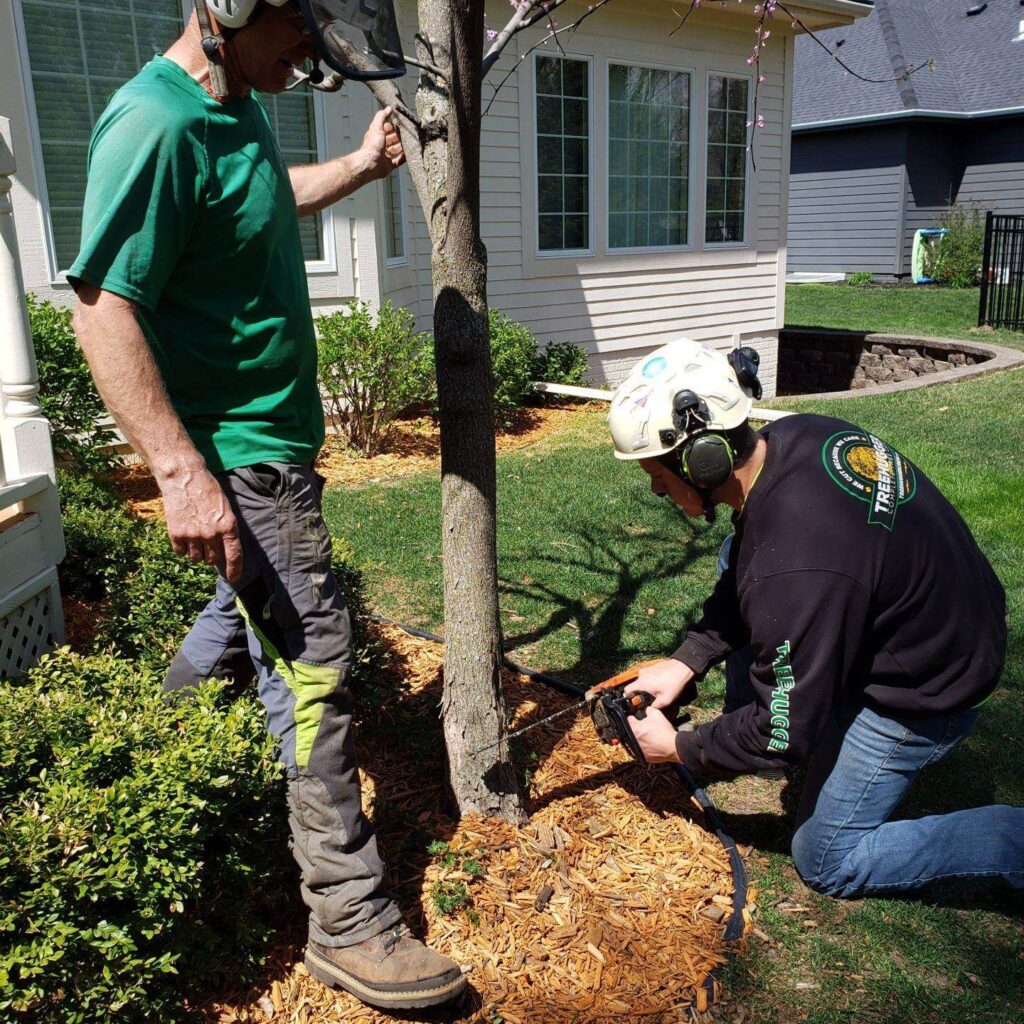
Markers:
{"x": 734, "y": 926}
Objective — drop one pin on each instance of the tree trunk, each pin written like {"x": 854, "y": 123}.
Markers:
{"x": 473, "y": 708}
{"x": 443, "y": 152}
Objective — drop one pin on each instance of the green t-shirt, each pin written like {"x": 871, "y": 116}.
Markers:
{"x": 189, "y": 213}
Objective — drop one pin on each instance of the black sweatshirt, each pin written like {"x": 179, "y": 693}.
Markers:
{"x": 853, "y": 579}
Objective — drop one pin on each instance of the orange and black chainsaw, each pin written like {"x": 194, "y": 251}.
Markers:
{"x": 610, "y": 710}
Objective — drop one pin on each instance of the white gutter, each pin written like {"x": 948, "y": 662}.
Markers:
{"x": 846, "y": 8}
{"x": 603, "y": 395}
{"x": 908, "y": 115}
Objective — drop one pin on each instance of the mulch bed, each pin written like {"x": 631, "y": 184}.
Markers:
{"x": 611, "y": 903}
{"x": 411, "y": 446}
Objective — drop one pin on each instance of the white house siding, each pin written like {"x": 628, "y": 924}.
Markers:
{"x": 620, "y": 305}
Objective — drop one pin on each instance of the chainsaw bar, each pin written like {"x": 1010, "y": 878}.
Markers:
{"x": 613, "y": 683}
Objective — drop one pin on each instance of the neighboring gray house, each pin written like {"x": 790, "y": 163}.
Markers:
{"x": 872, "y": 163}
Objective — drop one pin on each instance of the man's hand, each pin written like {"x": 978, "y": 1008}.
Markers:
{"x": 664, "y": 680}
{"x": 382, "y": 148}
{"x": 200, "y": 522}
{"x": 656, "y": 736}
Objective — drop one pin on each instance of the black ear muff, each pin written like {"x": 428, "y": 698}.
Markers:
{"x": 707, "y": 461}
{"x": 744, "y": 362}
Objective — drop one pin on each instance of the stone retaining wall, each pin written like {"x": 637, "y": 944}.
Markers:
{"x": 811, "y": 361}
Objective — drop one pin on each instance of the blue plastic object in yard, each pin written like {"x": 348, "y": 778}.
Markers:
{"x": 923, "y": 238}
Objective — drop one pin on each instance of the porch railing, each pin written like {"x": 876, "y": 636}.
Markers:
{"x": 31, "y": 537}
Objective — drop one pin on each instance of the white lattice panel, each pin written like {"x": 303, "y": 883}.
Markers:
{"x": 26, "y": 633}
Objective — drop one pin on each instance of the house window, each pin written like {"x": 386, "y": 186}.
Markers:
{"x": 79, "y": 55}
{"x": 648, "y": 157}
{"x": 294, "y": 122}
{"x": 728, "y": 103}
{"x": 563, "y": 154}
{"x": 394, "y": 217}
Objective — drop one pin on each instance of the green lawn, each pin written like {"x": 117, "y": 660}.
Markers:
{"x": 597, "y": 573}
{"x": 942, "y": 312}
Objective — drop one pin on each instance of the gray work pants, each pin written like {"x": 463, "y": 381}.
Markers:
{"x": 289, "y": 615}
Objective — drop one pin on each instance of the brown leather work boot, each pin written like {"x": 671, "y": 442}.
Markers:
{"x": 391, "y": 970}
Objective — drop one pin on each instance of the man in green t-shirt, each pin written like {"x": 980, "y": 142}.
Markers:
{"x": 194, "y": 315}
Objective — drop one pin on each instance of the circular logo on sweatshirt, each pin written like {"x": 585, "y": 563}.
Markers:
{"x": 866, "y": 467}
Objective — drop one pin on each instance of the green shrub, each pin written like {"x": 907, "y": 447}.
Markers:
{"x": 153, "y": 606}
{"x": 513, "y": 355}
{"x": 100, "y": 536}
{"x": 955, "y": 259}
{"x": 371, "y": 368}
{"x": 66, "y": 392}
{"x": 562, "y": 363}
{"x": 860, "y": 278}
{"x": 141, "y": 845}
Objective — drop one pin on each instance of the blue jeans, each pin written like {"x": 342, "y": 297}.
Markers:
{"x": 845, "y": 844}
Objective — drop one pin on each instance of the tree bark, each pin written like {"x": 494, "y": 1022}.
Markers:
{"x": 473, "y": 707}
{"x": 443, "y": 151}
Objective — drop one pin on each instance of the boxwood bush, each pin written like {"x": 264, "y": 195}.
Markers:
{"x": 152, "y": 596}
{"x": 100, "y": 536}
{"x": 142, "y": 845}
{"x": 562, "y": 362}
{"x": 66, "y": 390}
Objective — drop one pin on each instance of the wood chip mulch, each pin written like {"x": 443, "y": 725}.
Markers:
{"x": 412, "y": 446}
{"x": 609, "y": 904}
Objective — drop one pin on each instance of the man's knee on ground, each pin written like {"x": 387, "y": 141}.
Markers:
{"x": 820, "y": 872}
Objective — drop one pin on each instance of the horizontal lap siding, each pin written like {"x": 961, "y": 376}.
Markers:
{"x": 841, "y": 223}
{"x": 618, "y": 311}
{"x": 996, "y": 187}
{"x": 846, "y": 199}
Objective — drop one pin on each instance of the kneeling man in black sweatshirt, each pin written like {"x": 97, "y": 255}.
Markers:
{"x": 873, "y": 626}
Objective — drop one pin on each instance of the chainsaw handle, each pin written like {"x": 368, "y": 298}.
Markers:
{"x": 639, "y": 701}
{"x": 624, "y": 677}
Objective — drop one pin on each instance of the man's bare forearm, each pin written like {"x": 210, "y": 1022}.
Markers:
{"x": 130, "y": 384}
{"x": 317, "y": 186}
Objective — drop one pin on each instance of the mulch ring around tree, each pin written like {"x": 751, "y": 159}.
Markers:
{"x": 410, "y": 446}
{"x": 609, "y": 904}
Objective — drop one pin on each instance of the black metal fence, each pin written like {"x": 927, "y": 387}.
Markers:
{"x": 1002, "y": 272}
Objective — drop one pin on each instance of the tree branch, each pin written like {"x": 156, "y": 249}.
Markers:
{"x": 908, "y": 71}
{"x": 424, "y": 66}
{"x": 528, "y": 13}
{"x": 553, "y": 34}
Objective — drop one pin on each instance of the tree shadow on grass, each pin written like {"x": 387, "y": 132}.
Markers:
{"x": 600, "y": 627}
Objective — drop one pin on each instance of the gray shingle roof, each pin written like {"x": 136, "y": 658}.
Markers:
{"x": 979, "y": 64}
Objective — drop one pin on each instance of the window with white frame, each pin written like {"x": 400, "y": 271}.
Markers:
{"x": 394, "y": 217}
{"x": 648, "y": 157}
{"x": 726, "y": 195}
{"x": 79, "y": 53}
{"x": 294, "y": 121}
{"x": 563, "y": 153}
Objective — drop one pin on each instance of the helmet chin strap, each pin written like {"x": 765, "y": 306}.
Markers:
{"x": 211, "y": 44}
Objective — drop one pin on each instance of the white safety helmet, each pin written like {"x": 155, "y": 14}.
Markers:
{"x": 680, "y": 390}
{"x": 236, "y": 13}
{"x": 357, "y": 38}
